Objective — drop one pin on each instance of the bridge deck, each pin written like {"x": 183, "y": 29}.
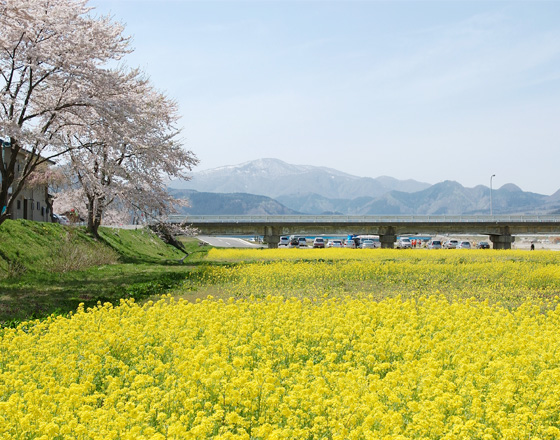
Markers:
{"x": 364, "y": 218}
{"x": 500, "y": 229}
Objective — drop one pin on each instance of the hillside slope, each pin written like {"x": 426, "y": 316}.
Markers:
{"x": 28, "y": 246}
{"x": 47, "y": 268}
{"x": 206, "y": 203}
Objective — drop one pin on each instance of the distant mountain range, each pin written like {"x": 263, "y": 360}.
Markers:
{"x": 274, "y": 178}
{"x": 207, "y": 203}
{"x": 274, "y": 187}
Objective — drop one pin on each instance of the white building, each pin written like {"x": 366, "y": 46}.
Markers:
{"x": 32, "y": 203}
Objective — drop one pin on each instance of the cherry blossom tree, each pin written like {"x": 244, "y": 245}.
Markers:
{"x": 53, "y": 58}
{"x": 124, "y": 147}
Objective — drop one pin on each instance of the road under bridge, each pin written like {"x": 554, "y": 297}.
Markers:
{"x": 500, "y": 229}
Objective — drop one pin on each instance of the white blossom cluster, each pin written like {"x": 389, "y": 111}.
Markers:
{"x": 63, "y": 99}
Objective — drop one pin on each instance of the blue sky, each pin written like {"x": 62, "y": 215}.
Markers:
{"x": 426, "y": 90}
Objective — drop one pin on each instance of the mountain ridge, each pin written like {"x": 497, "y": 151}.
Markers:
{"x": 275, "y": 178}
{"x": 274, "y": 187}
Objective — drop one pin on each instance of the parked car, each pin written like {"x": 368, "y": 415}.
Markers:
{"x": 294, "y": 240}
{"x": 434, "y": 244}
{"x": 335, "y": 243}
{"x": 451, "y": 244}
{"x": 351, "y": 243}
{"x": 483, "y": 245}
{"x": 62, "y": 219}
{"x": 404, "y": 243}
{"x": 284, "y": 241}
{"x": 319, "y": 242}
{"x": 297, "y": 241}
{"x": 368, "y": 243}
{"x": 464, "y": 245}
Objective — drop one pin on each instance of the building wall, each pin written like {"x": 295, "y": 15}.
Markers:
{"x": 31, "y": 203}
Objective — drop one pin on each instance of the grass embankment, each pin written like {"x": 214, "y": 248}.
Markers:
{"x": 47, "y": 268}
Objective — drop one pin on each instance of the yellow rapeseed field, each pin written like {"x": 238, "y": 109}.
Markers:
{"x": 507, "y": 277}
{"x": 288, "y": 357}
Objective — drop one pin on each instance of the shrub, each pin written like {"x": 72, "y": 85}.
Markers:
{"x": 74, "y": 254}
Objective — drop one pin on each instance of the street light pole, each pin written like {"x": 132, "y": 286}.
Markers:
{"x": 491, "y": 204}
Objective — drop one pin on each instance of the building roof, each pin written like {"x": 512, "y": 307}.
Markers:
{"x": 6, "y": 145}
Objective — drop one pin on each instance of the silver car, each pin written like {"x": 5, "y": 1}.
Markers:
{"x": 434, "y": 244}
{"x": 319, "y": 242}
{"x": 302, "y": 242}
{"x": 404, "y": 243}
{"x": 451, "y": 244}
{"x": 368, "y": 244}
{"x": 335, "y": 243}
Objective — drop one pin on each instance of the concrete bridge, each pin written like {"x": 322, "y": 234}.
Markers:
{"x": 501, "y": 229}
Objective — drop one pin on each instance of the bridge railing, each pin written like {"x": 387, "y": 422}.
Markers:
{"x": 363, "y": 218}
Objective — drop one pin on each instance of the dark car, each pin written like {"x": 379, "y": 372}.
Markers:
{"x": 483, "y": 245}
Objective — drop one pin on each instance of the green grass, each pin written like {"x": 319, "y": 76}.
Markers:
{"x": 48, "y": 268}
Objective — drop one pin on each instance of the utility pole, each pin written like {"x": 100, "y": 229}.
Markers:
{"x": 491, "y": 204}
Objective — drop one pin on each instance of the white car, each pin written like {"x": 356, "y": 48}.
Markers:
{"x": 464, "y": 245}
{"x": 284, "y": 241}
{"x": 404, "y": 243}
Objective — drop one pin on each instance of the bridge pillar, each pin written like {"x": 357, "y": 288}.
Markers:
{"x": 272, "y": 241}
{"x": 502, "y": 241}
{"x": 271, "y": 237}
{"x": 387, "y": 237}
{"x": 387, "y": 241}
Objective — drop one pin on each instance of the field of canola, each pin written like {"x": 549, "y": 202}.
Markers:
{"x": 311, "y": 344}
{"x": 509, "y": 278}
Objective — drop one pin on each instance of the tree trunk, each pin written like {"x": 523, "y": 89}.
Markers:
{"x": 92, "y": 223}
{"x": 8, "y": 179}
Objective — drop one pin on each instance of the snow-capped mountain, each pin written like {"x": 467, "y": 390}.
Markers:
{"x": 271, "y": 186}
{"x": 275, "y": 178}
